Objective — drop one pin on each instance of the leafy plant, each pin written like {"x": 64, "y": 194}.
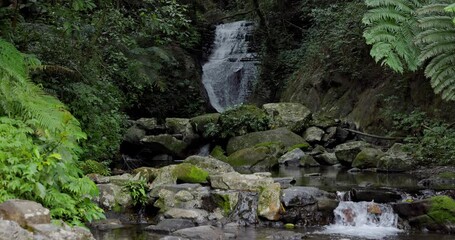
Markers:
{"x": 408, "y": 34}
{"x": 91, "y": 166}
{"x": 138, "y": 190}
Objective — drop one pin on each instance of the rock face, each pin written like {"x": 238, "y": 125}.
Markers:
{"x": 209, "y": 164}
{"x": 280, "y": 135}
{"x": 12, "y": 230}
{"x": 290, "y": 115}
{"x": 242, "y": 182}
{"x": 269, "y": 205}
{"x": 313, "y": 134}
{"x": 165, "y": 143}
{"x": 347, "y": 152}
{"x": 258, "y": 158}
{"x": 395, "y": 160}
{"x": 24, "y": 212}
{"x": 367, "y": 158}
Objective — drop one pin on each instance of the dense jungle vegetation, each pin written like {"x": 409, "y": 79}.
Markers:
{"x": 73, "y": 72}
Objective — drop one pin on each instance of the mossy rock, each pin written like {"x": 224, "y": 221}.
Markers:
{"x": 210, "y": 164}
{"x": 218, "y": 153}
{"x": 447, "y": 175}
{"x": 226, "y": 201}
{"x": 281, "y": 135}
{"x": 242, "y": 120}
{"x": 367, "y": 158}
{"x": 293, "y": 116}
{"x": 199, "y": 123}
{"x": 189, "y": 173}
{"x": 261, "y": 157}
{"x": 165, "y": 143}
{"x": 302, "y": 146}
{"x": 442, "y": 210}
{"x": 147, "y": 173}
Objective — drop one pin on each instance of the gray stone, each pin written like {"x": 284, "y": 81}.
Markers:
{"x": 61, "y": 231}
{"x": 288, "y": 235}
{"x": 227, "y": 200}
{"x": 291, "y": 158}
{"x": 347, "y": 152}
{"x": 269, "y": 204}
{"x": 280, "y": 135}
{"x": 330, "y": 135}
{"x": 210, "y": 164}
{"x": 112, "y": 195}
{"x": 107, "y": 224}
{"x": 149, "y": 124}
{"x": 313, "y": 134}
{"x": 24, "y": 212}
{"x": 327, "y": 159}
{"x": 134, "y": 134}
{"x": 258, "y": 158}
{"x": 367, "y": 158}
{"x": 302, "y": 196}
{"x": 237, "y": 181}
{"x": 170, "y": 225}
{"x": 165, "y": 143}
{"x": 308, "y": 161}
{"x": 201, "y": 232}
{"x": 192, "y": 214}
{"x": 184, "y": 196}
{"x": 182, "y": 126}
{"x": 200, "y": 123}
{"x": 11, "y": 230}
{"x": 121, "y": 180}
{"x": 396, "y": 159}
{"x": 285, "y": 182}
{"x": 291, "y": 115}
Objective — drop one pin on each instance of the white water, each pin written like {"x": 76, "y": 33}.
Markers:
{"x": 354, "y": 219}
{"x": 229, "y": 73}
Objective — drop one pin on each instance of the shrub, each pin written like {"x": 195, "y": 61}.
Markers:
{"x": 90, "y": 166}
{"x": 138, "y": 190}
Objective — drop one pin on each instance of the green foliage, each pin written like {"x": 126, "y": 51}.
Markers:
{"x": 218, "y": 153}
{"x": 442, "y": 210}
{"x": 138, "y": 190}
{"x": 91, "y": 166}
{"x": 239, "y": 121}
{"x": 407, "y": 34}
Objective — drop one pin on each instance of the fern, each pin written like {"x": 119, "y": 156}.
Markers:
{"x": 390, "y": 30}
{"x": 437, "y": 41}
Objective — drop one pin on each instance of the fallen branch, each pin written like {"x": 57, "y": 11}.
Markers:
{"x": 373, "y": 136}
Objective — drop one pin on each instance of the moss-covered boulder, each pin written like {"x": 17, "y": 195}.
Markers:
{"x": 189, "y": 173}
{"x": 165, "y": 143}
{"x": 294, "y": 116}
{"x": 269, "y": 204}
{"x": 308, "y": 161}
{"x": 209, "y": 164}
{"x": 367, "y": 158}
{"x": 346, "y": 152}
{"x": 147, "y": 173}
{"x": 240, "y": 182}
{"x": 280, "y": 135}
{"x": 218, "y": 153}
{"x": 200, "y": 123}
{"x": 181, "y": 126}
{"x": 396, "y": 159}
{"x": 258, "y": 158}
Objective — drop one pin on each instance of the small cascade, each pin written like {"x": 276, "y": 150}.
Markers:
{"x": 231, "y": 69}
{"x": 367, "y": 220}
{"x": 204, "y": 151}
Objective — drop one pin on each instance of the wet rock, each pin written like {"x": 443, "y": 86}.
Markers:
{"x": 347, "y": 152}
{"x": 376, "y": 195}
{"x": 313, "y": 134}
{"x": 210, "y": 164}
{"x": 291, "y": 158}
{"x": 280, "y": 135}
{"x": 329, "y": 137}
{"x": 182, "y": 126}
{"x": 150, "y": 125}
{"x": 294, "y": 116}
{"x": 367, "y": 158}
{"x": 288, "y": 235}
{"x": 170, "y": 225}
{"x": 396, "y": 159}
{"x": 441, "y": 181}
{"x": 165, "y": 143}
{"x": 308, "y": 161}
{"x": 285, "y": 182}
{"x": 269, "y": 205}
{"x": 245, "y": 212}
{"x": 327, "y": 205}
{"x": 258, "y": 158}
{"x": 200, "y": 123}
{"x": 24, "y": 212}
{"x": 201, "y": 232}
{"x": 237, "y": 181}
{"x": 134, "y": 134}
{"x": 12, "y": 230}
{"x": 196, "y": 215}
{"x": 302, "y": 196}
{"x": 326, "y": 158}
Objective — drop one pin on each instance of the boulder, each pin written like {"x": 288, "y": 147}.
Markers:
{"x": 313, "y": 134}
{"x": 107, "y": 224}
{"x": 24, "y": 212}
{"x": 225, "y": 200}
{"x": 113, "y": 196}
{"x": 150, "y": 125}
{"x": 329, "y": 137}
{"x": 196, "y": 215}
{"x": 60, "y": 230}
{"x": 12, "y": 230}
{"x": 241, "y": 182}
{"x": 259, "y": 158}
{"x": 201, "y": 232}
{"x": 396, "y": 159}
{"x": 170, "y": 225}
{"x": 184, "y": 196}
{"x": 302, "y": 196}
{"x": 346, "y": 152}
{"x": 134, "y": 134}
{"x": 200, "y": 123}
{"x": 147, "y": 173}
{"x": 308, "y": 161}
{"x": 367, "y": 158}
{"x": 269, "y": 204}
{"x": 165, "y": 143}
{"x": 327, "y": 159}
{"x": 280, "y": 135}
{"x": 441, "y": 181}
{"x": 181, "y": 126}
{"x": 188, "y": 173}
{"x": 293, "y": 116}
{"x": 285, "y": 182}
{"x": 291, "y": 158}
{"x": 209, "y": 164}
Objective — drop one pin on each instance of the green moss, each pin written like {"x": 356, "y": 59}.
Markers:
{"x": 90, "y": 166}
{"x": 447, "y": 175}
{"x": 248, "y": 156}
{"x": 222, "y": 201}
{"x": 117, "y": 208}
{"x": 289, "y": 226}
{"x": 189, "y": 173}
{"x": 302, "y": 146}
{"x": 218, "y": 153}
{"x": 442, "y": 209}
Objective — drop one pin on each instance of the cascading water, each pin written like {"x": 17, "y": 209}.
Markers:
{"x": 367, "y": 220}
{"x": 231, "y": 70}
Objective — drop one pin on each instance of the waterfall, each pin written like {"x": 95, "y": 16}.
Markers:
{"x": 367, "y": 220}
{"x": 230, "y": 71}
